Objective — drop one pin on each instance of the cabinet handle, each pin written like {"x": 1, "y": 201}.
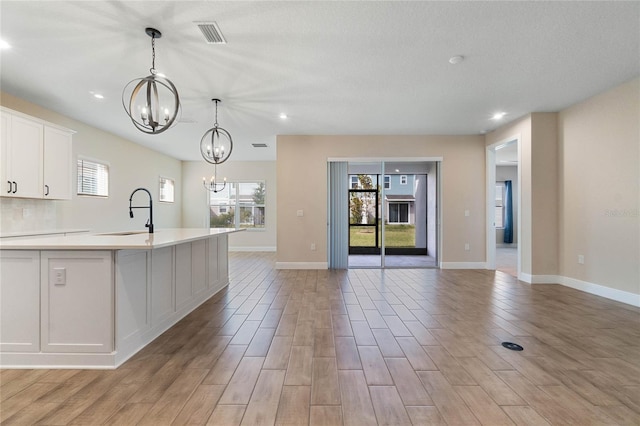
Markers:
{"x": 10, "y": 187}
{"x": 47, "y": 188}
{"x": 15, "y": 186}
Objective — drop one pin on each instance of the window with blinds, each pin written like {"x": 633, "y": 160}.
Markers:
{"x": 93, "y": 178}
{"x": 166, "y": 189}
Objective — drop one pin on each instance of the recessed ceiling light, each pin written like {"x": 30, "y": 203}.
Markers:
{"x": 284, "y": 116}
{"x": 456, "y": 59}
{"x": 498, "y": 115}
{"x": 4, "y": 45}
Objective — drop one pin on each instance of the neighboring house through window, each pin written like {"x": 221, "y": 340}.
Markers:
{"x": 387, "y": 182}
{"x": 403, "y": 179}
{"x": 240, "y": 205}
{"x": 354, "y": 182}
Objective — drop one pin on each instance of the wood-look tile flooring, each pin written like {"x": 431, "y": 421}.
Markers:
{"x": 394, "y": 347}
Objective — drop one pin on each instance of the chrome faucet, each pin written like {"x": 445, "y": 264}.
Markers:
{"x": 150, "y": 207}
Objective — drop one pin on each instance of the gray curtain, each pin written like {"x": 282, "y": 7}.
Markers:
{"x": 338, "y": 215}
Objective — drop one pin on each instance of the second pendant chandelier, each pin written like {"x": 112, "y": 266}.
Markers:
{"x": 216, "y": 143}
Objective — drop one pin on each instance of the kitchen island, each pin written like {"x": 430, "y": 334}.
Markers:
{"x": 92, "y": 301}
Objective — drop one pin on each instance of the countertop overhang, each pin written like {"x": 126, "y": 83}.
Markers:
{"x": 110, "y": 241}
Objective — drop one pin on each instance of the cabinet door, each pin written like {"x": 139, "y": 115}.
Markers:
{"x": 19, "y": 301}
{"x": 77, "y": 301}
{"x": 6, "y": 186}
{"x": 24, "y": 158}
{"x": 58, "y": 165}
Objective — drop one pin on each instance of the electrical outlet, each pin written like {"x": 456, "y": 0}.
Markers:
{"x": 59, "y": 276}
{"x": 313, "y": 246}
{"x": 300, "y": 213}
{"x": 466, "y": 213}
{"x": 466, "y": 247}
{"x": 581, "y": 259}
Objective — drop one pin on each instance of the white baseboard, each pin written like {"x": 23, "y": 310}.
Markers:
{"x": 302, "y": 265}
{"x": 539, "y": 279}
{"x": 603, "y": 291}
{"x": 243, "y": 248}
{"x": 632, "y": 299}
{"x": 503, "y": 245}
{"x": 463, "y": 265}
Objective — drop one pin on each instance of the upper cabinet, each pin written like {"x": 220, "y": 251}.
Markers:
{"x": 35, "y": 158}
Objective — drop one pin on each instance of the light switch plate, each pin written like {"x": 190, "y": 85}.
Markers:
{"x": 300, "y": 213}
{"x": 59, "y": 276}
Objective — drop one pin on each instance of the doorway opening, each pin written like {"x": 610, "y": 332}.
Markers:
{"x": 503, "y": 206}
{"x": 392, "y": 215}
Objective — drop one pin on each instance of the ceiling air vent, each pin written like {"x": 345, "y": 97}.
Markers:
{"x": 211, "y": 32}
{"x": 259, "y": 145}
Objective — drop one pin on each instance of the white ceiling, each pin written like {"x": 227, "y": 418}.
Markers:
{"x": 333, "y": 67}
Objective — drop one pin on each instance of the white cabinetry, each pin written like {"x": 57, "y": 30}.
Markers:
{"x": 35, "y": 158}
{"x": 77, "y": 301}
{"x": 57, "y": 164}
{"x": 19, "y": 301}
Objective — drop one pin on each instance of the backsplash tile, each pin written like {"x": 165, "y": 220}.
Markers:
{"x": 22, "y": 214}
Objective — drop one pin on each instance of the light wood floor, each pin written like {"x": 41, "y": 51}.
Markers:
{"x": 401, "y": 346}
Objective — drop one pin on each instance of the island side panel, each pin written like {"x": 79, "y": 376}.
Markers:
{"x": 77, "y": 301}
{"x": 223, "y": 261}
{"x": 183, "y": 283}
{"x": 19, "y": 301}
{"x": 162, "y": 284}
{"x": 133, "y": 299}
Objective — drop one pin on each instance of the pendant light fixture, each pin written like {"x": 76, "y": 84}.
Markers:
{"x": 216, "y": 143}
{"x": 213, "y": 185}
{"x": 151, "y": 102}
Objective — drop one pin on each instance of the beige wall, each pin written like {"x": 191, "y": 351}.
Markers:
{"x": 544, "y": 193}
{"x": 302, "y": 185}
{"x": 599, "y": 189}
{"x": 131, "y": 166}
{"x": 195, "y": 212}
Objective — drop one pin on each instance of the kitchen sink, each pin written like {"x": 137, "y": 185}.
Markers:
{"x": 123, "y": 233}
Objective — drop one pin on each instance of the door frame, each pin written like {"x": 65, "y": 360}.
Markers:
{"x": 491, "y": 199}
{"x": 382, "y": 160}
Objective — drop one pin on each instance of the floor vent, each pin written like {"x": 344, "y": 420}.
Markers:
{"x": 259, "y": 145}
{"x": 211, "y": 32}
{"x": 512, "y": 346}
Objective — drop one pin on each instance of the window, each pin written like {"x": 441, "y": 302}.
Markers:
{"x": 93, "y": 178}
{"x": 398, "y": 212}
{"x": 387, "y": 182}
{"x": 403, "y": 180}
{"x": 166, "y": 189}
{"x": 499, "y": 209}
{"x": 239, "y": 205}
{"x": 354, "y": 182}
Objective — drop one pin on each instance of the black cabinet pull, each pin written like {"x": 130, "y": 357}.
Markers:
{"x": 15, "y": 186}
{"x": 47, "y": 188}
{"x": 10, "y": 187}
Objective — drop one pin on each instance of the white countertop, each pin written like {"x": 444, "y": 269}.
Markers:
{"x": 41, "y": 232}
{"x": 105, "y": 241}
